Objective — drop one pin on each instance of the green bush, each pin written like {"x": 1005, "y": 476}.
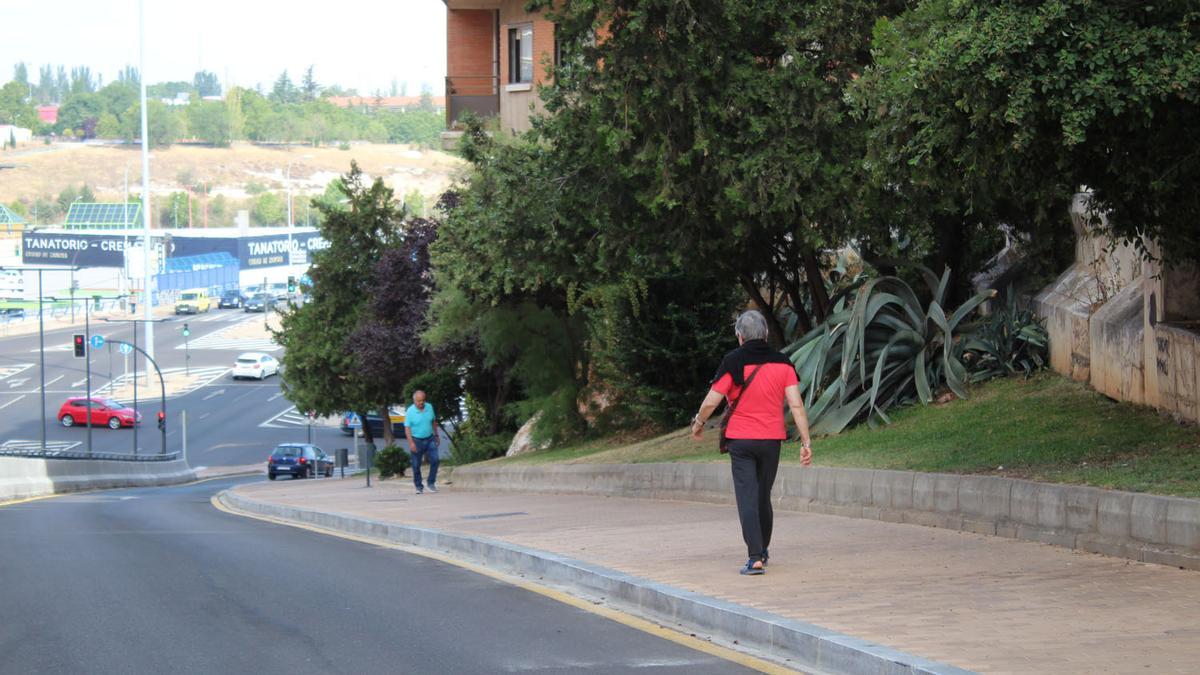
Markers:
{"x": 1008, "y": 341}
{"x": 886, "y": 348}
{"x": 392, "y": 461}
{"x": 468, "y": 449}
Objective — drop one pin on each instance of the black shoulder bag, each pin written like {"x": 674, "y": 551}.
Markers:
{"x": 729, "y": 410}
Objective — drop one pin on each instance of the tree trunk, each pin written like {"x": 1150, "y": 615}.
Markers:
{"x": 389, "y": 435}
{"x": 774, "y": 328}
{"x": 804, "y": 322}
{"x": 816, "y": 285}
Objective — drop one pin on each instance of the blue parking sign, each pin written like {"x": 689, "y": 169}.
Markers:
{"x": 97, "y": 341}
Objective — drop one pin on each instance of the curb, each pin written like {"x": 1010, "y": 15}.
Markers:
{"x": 1144, "y": 527}
{"x": 807, "y": 646}
{"x": 22, "y": 478}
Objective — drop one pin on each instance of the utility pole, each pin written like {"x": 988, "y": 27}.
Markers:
{"x": 148, "y": 314}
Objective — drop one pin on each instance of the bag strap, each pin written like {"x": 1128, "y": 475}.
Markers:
{"x": 734, "y": 403}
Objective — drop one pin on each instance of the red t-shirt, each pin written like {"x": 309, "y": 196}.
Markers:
{"x": 759, "y": 414}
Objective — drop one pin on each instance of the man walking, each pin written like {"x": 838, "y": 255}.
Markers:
{"x": 420, "y": 426}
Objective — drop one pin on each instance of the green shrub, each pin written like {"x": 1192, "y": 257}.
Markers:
{"x": 1008, "y": 341}
{"x": 884, "y": 349}
{"x": 468, "y": 449}
{"x": 392, "y": 461}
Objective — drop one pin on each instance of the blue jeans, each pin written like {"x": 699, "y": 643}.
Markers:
{"x": 424, "y": 447}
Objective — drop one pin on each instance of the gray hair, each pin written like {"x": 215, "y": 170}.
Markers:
{"x": 751, "y": 325}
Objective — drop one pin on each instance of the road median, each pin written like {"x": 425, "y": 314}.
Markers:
{"x": 24, "y": 477}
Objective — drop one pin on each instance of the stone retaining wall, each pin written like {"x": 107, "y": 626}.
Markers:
{"x": 1148, "y": 528}
{"x": 22, "y": 477}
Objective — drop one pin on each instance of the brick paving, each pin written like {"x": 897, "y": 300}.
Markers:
{"x": 983, "y": 603}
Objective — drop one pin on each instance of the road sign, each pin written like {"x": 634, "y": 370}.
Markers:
{"x": 97, "y": 341}
{"x": 126, "y": 348}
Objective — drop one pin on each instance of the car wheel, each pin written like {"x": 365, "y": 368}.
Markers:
{"x": 270, "y": 476}
{"x": 68, "y": 421}
{"x": 114, "y": 423}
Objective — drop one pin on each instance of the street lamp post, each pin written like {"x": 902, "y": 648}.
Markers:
{"x": 150, "y": 359}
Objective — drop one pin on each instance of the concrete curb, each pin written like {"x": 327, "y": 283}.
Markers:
{"x": 1142, "y": 527}
{"x": 23, "y": 477}
{"x": 808, "y": 646}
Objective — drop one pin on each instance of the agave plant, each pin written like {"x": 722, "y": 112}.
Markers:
{"x": 880, "y": 348}
{"x": 1008, "y": 341}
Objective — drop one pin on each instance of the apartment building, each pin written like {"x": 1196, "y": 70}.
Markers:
{"x": 496, "y": 56}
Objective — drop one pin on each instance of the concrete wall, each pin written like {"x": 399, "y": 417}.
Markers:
{"x": 1107, "y": 317}
{"x": 1148, "y": 528}
{"x": 22, "y": 477}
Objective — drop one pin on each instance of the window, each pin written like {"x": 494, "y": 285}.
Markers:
{"x": 520, "y": 53}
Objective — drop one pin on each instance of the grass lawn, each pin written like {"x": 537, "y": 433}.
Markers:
{"x": 1047, "y": 428}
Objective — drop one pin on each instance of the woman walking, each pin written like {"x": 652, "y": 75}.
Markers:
{"x": 755, "y": 380}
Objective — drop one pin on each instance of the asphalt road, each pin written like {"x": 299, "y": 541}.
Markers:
{"x": 229, "y": 423}
{"x": 156, "y": 580}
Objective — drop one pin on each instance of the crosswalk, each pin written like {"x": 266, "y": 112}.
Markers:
{"x": 292, "y": 418}
{"x": 222, "y": 339}
{"x": 13, "y": 369}
{"x": 201, "y": 377}
{"x": 223, "y": 317}
{"x": 25, "y": 446}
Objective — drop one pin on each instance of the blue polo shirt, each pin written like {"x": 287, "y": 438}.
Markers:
{"x": 419, "y": 421}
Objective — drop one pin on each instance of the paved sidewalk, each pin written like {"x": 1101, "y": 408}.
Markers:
{"x": 983, "y": 603}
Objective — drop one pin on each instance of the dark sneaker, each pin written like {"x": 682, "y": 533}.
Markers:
{"x": 751, "y": 570}
{"x": 420, "y": 491}
{"x": 433, "y": 489}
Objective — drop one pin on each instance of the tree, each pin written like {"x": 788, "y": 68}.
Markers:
{"x": 284, "y": 91}
{"x": 45, "y": 90}
{"x": 118, "y": 95}
{"x": 163, "y": 123}
{"x": 309, "y": 88}
{"x": 320, "y": 372}
{"x": 82, "y": 80}
{"x": 21, "y": 73}
{"x": 1010, "y": 107}
{"x": 269, "y": 209}
{"x": 15, "y": 107}
{"x": 205, "y": 83}
{"x": 108, "y": 126}
{"x": 81, "y": 111}
{"x": 209, "y": 121}
{"x": 129, "y": 75}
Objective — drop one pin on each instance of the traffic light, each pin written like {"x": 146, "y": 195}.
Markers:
{"x": 162, "y": 421}
{"x": 291, "y": 284}
{"x": 80, "y": 346}
{"x": 186, "y": 332}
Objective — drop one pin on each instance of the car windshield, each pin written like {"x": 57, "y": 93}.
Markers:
{"x": 246, "y": 361}
{"x": 109, "y": 403}
{"x": 230, "y": 294}
{"x": 188, "y": 296}
{"x": 287, "y": 451}
{"x": 262, "y": 296}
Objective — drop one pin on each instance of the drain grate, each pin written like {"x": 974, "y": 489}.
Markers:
{"x": 484, "y": 516}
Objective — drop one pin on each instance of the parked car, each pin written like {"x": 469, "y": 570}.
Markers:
{"x": 12, "y": 314}
{"x": 279, "y": 290}
{"x": 350, "y": 423}
{"x": 231, "y": 300}
{"x": 298, "y": 460}
{"x": 105, "y": 411}
{"x": 193, "y": 301}
{"x": 255, "y": 365}
{"x": 260, "y": 302}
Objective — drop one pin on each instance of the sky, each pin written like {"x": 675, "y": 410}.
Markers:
{"x": 363, "y": 44}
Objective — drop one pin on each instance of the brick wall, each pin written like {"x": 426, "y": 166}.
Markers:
{"x": 470, "y": 50}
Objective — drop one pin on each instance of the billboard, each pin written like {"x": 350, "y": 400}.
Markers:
{"x": 252, "y": 252}
{"x": 79, "y": 250}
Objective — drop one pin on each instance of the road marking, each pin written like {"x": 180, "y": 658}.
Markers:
{"x": 205, "y": 415}
{"x": 76, "y": 384}
{"x": 277, "y": 395}
{"x": 214, "y": 394}
{"x": 17, "y": 383}
{"x": 643, "y": 625}
{"x": 55, "y": 380}
{"x": 2, "y": 407}
{"x": 22, "y": 445}
{"x": 8, "y": 371}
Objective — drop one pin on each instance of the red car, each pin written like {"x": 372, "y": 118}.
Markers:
{"x": 105, "y": 411}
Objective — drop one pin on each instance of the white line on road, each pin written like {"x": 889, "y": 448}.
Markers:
{"x": 76, "y": 384}
{"x": 205, "y": 415}
{"x": 277, "y": 395}
{"x": 215, "y": 393}
{"x": 55, "y": 380}
{"x": 17, "y": 383}
{"x": 2, "y": 407}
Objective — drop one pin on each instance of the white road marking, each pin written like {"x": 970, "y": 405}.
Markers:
{"x": 17, "y": 383}
{"x": 215, "y": 393}
{"x": 27, "y": 445}
{"x": 277, "y": 395}
{"x": 2, "y": 407}
{"x": 55, "y": 380}
{"x": 80, "y": 382}
{"x": 8, "y": 371}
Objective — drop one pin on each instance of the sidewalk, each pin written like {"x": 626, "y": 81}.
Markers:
{"x": 983, "y": 603}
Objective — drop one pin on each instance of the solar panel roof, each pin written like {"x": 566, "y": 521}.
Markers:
{"x": 114, "y": 214}
{"x": 7, "y": 217}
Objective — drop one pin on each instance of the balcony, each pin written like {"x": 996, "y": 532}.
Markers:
{"x": 479, "y": 94}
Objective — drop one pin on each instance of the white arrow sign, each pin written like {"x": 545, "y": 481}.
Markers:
{"x": 17, "y": 383}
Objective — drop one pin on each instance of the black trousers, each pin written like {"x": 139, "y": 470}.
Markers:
{"x": 754, "y": 465}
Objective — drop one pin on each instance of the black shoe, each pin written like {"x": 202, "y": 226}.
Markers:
{"x": 751, "y": 570}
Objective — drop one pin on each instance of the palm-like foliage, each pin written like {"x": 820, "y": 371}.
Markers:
{"x": 880, "y": 348}
{"x": 1008, "y": 341}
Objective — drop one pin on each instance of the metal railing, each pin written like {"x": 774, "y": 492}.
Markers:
{"x": 83, "y": 454}
{"x": 477, "y": 93}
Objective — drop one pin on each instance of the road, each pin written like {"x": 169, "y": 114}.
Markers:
{"x": 229, "y": 423}
{"x": 157, "y": 580}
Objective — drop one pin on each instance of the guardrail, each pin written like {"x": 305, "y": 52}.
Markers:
{"x": 37, "y": 453}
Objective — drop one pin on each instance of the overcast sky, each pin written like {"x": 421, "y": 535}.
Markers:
{"x": 354, "y": 43}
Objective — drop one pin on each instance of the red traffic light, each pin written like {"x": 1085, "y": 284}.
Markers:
{"x": 80, "y": 346}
